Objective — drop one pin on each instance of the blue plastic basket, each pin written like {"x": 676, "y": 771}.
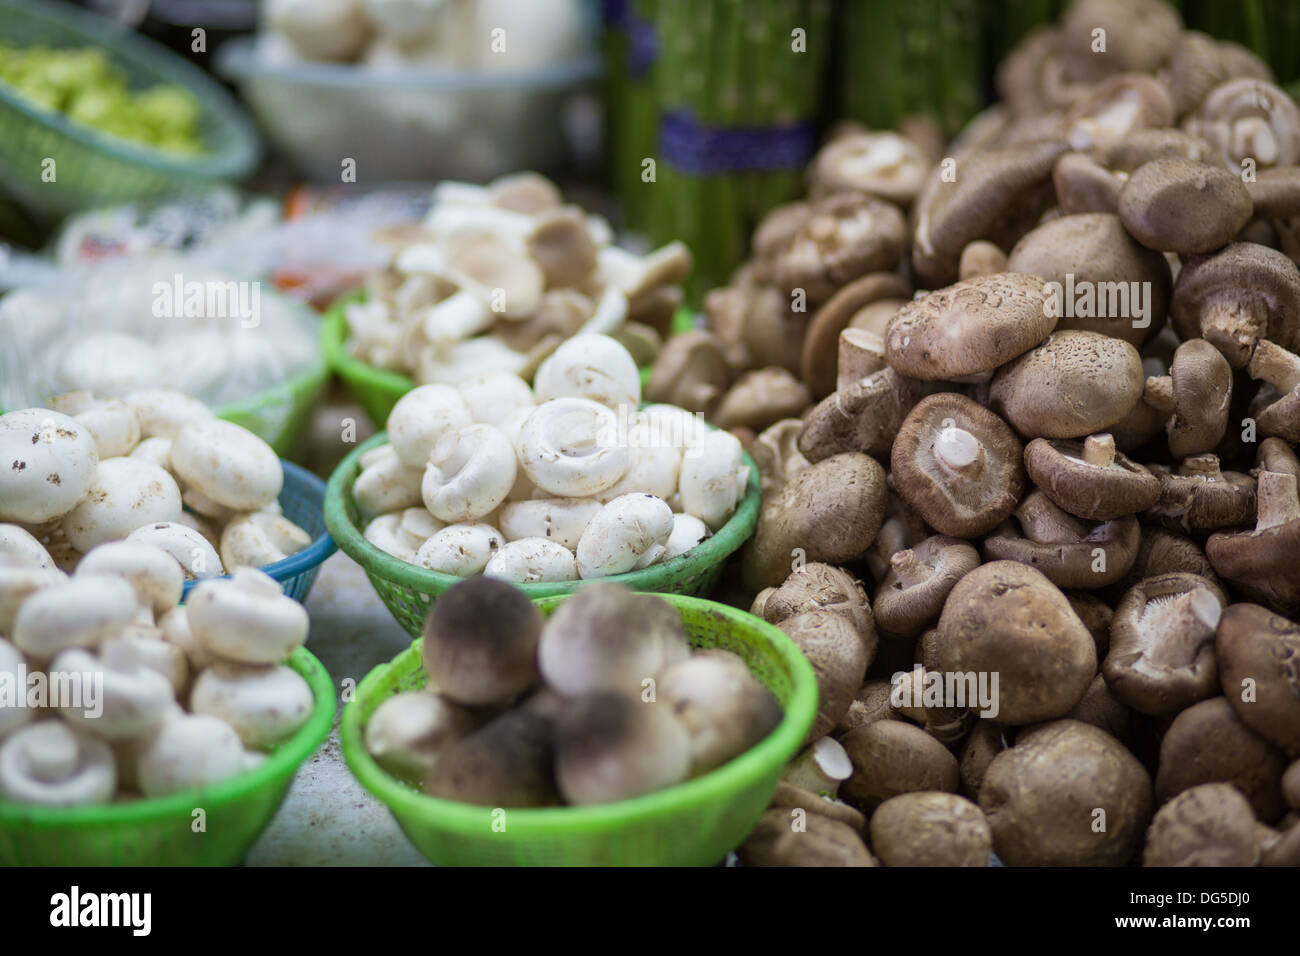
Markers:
{"x": 303, "y": 501}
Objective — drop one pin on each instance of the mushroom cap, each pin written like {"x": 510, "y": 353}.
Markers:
{"x": 891, "y": 757}
{"x": 1276, "y": 192}
{"x": 1184, "y": 206}
{"x": 778, "y": 226}
{"x": 1074, "y": 384}
{"x": 1096, "y": 492}
{"x": 50, "y": 464}
{"x": 480, "y": 642}
{"x": 956, "y": 499}
{"x": 817, "y": 364}
{"x": 969, "y": 328}
{"x": 1237, "y": 296}
{"x": 1195, "y": 67}
{"x": 1202, "y": 387}
{"x": 861, "y": 417}
{"x": 1261, "y": 564}
{"x": 1140, "y": 36}
{"x": 823, "y": 842}
{"x": 981, "y": 258}
{"x": 1084, "y": 185}
{"x": 1255, "y": 644}
{"x": 760, "y": 398}
{"x": 1115, "y": 108}
{"x": 839, "y": 658}
{"x": 999, "y": 195}
{"x": 691, "y": 372}
{"x": 1007, "y": 618}
{"x": 1143, "y": 145}
{"x": 1161, "y": 656}
{"x": 931, "y": 829}
{"x": 590, "y": 366}
{"x": 1092, "y": 252}
{"x": 883, "y": 164}
{"x": 227, "y": 464}
{"x": 847, "y": 235}
{"x": 562, "y": 247}
{"x": 265, "y": 704}
{"x": 1201, "y": 498}
{"x": 48, "y": 762}
{"x": 823, "y": 587}
{"x": 1209, "y": 743}
{"x": 1041, "y": 797}
{"x": 911, "y": 595}
{"x": 1249, "y": 118}
{"x": 1207, "y": 825}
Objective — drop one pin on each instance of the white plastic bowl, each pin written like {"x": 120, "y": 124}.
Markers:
{"x": 408, "y": 125}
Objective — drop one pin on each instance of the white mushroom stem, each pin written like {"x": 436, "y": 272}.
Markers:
{"x": 1278, "y": 503}
{"x": 1205, "y": 467}
{"x": 910, "y": 569}
{"x": 455, "y": 319}
{"x": 1230, "y": 324}
{"x": 959, "y": 451}
{"x": 1099, "y": 450}
{"x": 1275, "y": 365}
{"x": 821, "y": 767}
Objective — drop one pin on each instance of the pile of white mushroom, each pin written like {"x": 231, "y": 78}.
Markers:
{"x": 562, "y": 482}
{"x": 497, "y": 276}
{"x": 155, "y": 467}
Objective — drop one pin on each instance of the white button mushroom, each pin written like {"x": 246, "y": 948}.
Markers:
{"x": 163, "y": 411}
{"x": 227, "y": 464}
{"x": 13, "y": 668}
{"x": 47, "y": 464}
{"x": 713, "y": 478}
{"x": 20, "y": 544}
{"x": 50, "y": 763}
{"x": 421, "y": 417}
{"x": 460, "y": 549}
{"x": 19, "y": 580}
{"x": 79, "y": 612}
{"x": 385, "y": 483}
{"x": 590, "y": 366}
{"x": 263, "y": 703}
{"x": 126, "y": 494}
{"x": 258, "y": 538}
{"x": 156, "y": 576}
{"x": 147, "y": 646}
{"x": 628, "y": 533}
{"x": 192, "y": 551}
{"x": 113, "y": 424}
{"x": 246, "y": 618}
{"x": 155, "y": 450}
{"x": 175, "y": 628}
{"x": 511, "y": 426}
{"x": 561, "y": 520}
{"x": 493, "y": 396}
{"x": 188, "y": 751}
{"x": 655, "y": 465}
{"x": 688, "y": 531}
{"x": 407, "y": 731}
{"x": 529, "y": 560}
{"x": 133, "y": 698}
{"x": 569, "y": 447}
{"x": 400, "y": 533}
{"x": 470, "y": 472}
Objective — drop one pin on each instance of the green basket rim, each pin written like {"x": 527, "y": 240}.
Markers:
{"x": 333, "y": 340}
{"x": 350, "y": 540}
{"x": 233, "y": 162}
{"x": 473, "y": 820}
{"x": 283, "y": 760}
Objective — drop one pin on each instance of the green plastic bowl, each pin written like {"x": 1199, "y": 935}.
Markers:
{"x": 95, "y": 169}
{"x": 280, "y": 416}
{"x": 408, "y": 590}
{"x": 692, "y": 824}
{"x": 160, "y": 831}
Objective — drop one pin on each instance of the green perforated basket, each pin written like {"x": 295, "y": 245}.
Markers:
{"x": 408, "y": 590}
{"x": 165, "y": 831}
{"x": 691, "y": 824}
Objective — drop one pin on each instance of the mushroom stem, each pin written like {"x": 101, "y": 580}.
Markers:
{"x": 1099, "y": 450}
{"x": 1275, "y": 365}
{"x": 1159, "y": 393}
{"x": 959, "y": 451}
{"x": 1232, "y": 326}
{"x": 1278, "y": 503}
{"x": 910, "y": 569}
{"x": 1201, "y": 466}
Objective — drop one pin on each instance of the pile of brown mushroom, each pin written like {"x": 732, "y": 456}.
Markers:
{"x": 1054, "y": 383}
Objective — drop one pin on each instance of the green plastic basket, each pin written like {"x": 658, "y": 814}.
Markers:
{"x": 94, "y": 169}
{"x": 280, "y": 416}
{"x": 692, "y": 824}
{"x": 161, "y": 831}
{"x": 408, "y": 590}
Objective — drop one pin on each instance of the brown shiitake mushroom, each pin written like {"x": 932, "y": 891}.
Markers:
{"x": 1262, "y": 563}
{"x": 1280, "y": 370}
{"x": 1144, "y": 145}
{"x": 1200, "y": 381}
{"x": 863, "y": 417}
{"x": 1291, "y": 786}
{"x": 480, "y": 642}
{"x": 1279, "y": 848}
{"x": 794, "y": 836}
{"x": 817, "y": 363}
{"x": 1096, "y": 616}
{"x": 1140, "y": 34}
{"x": 1091, "y": 479}
{"x": 1209, "y": 743}
{"x": 930, "y": 829}
{"x": 882, "y": 164}
{"x": 902, "y": 528}
{"x": 986, "y": 740}
{"x": 965, "y": 331}
{"x": 823, "y": 587}
{"x": 839, "y": 659}
{"x": 1102, "y": 709}
{"x": 910, "y": 596}
{"x": 1161, "y": 656}
{"x": 981, "y": 258}
{"x": 778, "y": 227}
{"x": 561, "y": 314}
{"x": 1071, "y": 553}
{"x": 1084, "y": 185}
{"x": 1259, "y": 670}
{"x": 1094, "y": 254}
{"x": 892, "y": 757}
{"x": 761, "y": 398}
{"x": 1208, "y": 825}
{"x": 1276, "y": 192}
{"x": 1199, "y": 497}
{"x": 1006, "y": 618}
{"x": 957, "y": 464}
{"x": 562, "y": 245}
{"x": 790, "y": 796}
{"x": 828, "y": 512}
{"x": 1073, "y": 384}
{"x": 1067, "y": 794}
{"x": 1237, "y": 296}
{"x": 1184, "y": 206}
{"x": 690, "y": 372}
{"x": 1248, "y": 118}
{"x": 859, "y": 353}
{"x": 870, "y": 703}
{"x": 777, "y": 454}
{"x": 1116, "y": 108}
